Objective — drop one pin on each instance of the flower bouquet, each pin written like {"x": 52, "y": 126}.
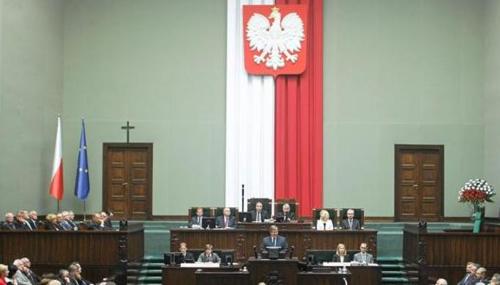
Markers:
{"x": 476, "y": 192}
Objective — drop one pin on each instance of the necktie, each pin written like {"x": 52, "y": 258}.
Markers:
{"x": 258, "y": 217}
{"x": 199, "y": 220}
{"x": 29, "y": 226}
{"x": 225, "y": 222}
{"x": 350, "y": 224}
{"x": 284, "y": 219}
{"x": 274, "y": 241}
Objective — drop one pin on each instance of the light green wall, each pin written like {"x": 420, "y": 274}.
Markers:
{"x": 395, "y": 72}
{"x": 30, "y": 98}
{"x": 492, "y": 101}
{"x": 161, "y": 65}
{"x": 400, "y": 72}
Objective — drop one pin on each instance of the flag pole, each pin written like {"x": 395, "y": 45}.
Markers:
{"x": 58, "y": 206}
{"x": 84, "y": 211}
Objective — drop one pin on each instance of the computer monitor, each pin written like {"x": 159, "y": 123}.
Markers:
{"x": 245, "y": 217}
{"x": 169, "y": 258}
{"x": 208, "y": 223}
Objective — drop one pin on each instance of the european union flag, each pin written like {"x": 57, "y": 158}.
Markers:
{"x": 82, "y": 185}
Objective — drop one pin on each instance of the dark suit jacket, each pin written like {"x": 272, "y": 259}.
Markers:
{"x": 21, "y": 226}
{"x": 263, "y": 215}
{"x": 33, "y": 223}
{"x": 280, "y": 241}
{"x": 289, "y": 217}
{"x": 95, "y": 226}
{"x": 53, "y": 227}
{"x": 336, "y": 258}
{"x": 185, "y": 258}
{"x": 470, "y": 281}
{"x": 355, "y": 224}
{"x": 9, "y": 227}
{"x": 219, "y": 222}
{"x": 194, "y": 221}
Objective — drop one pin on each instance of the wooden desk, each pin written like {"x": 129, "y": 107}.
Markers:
{"x": 173, "y": 275}
{"x": 324, "y": 278}
{"x": 281, "y": 226}
{"x": 243, "y": 240}
{"x": 99, "y": 252}
{"x": 445, "y": 254}
{"x": 204, "y": 277}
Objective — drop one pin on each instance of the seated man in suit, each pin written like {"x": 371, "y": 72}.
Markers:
{"x": 285, "y": 216}
{"x": 350, "y": 223}
{"x": 470, "y": 275}
{"x": 259, "y": 214}
{"x": 208, "y": 255}
{"x": 226, "y": 220}
{"x": 97, "y": 223}
{"x": 21, "y": 223}
{"x": 33, "y": 219}
{"x": 363, "y": 256}
{"x": 8, "y": 224}
{"x": 185, "y": 255}
{"x": 197, "y": 220}
{"x": 107, "y": 219}
{"x": 274, "y": 240}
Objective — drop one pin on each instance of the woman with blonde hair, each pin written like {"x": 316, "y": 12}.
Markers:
{"x": 4, "y": 271}
{"x": 341, "y": 254}
{"x": 324, "y": 222}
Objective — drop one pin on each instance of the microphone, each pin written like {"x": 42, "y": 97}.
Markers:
{"x": 324, "y": 226}
{"x": 255, "y": 251}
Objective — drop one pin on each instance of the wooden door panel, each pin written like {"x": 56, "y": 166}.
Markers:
{"x": 127, "y": 180}
{"x": 418, "y": 182}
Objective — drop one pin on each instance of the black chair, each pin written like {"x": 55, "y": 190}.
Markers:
{"x": 331, "y": 211}
{"x": 266, "y": 204}
{"x": 207, "y": 212}
{"x": 220, "y": 210}
{"x": 359, "y": 214}
{"x": 294, "y": 206}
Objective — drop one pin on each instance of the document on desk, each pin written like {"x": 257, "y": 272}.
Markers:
{"x": 201, "y": 265}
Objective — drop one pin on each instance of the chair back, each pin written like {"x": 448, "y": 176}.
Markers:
{"x": 359, "y": 214}
{"x": 220, "y": 210}
{"x": 207, "y": 212}
{"x": 331, "y": 211}
{"x": 266, "y": 204}
{"x": 294, "y": 206}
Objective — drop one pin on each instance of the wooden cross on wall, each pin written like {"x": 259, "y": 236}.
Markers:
{"x": 128, "y": 127}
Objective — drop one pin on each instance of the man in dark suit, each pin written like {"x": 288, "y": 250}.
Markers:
{"x": 21, "y": 223}
{"x": 350, "y": 223}
{"x": 33, "y": 219}
{"x": 107, "y": 220}
{"x": 285, "y": 216}
{"x": 259, "y": 214}
{"x": 97, "y": 223}
{"x": 8, "y": 224}
{"x": 197, "y": 220}
{"x": 274, "y": 240}
{"x": 185, "y": 255}
{"x": 226, "y": 220}
{"x": 470, "y": 275}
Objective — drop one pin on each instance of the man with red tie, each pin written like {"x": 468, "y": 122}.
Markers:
{"x": 226, "y": 220}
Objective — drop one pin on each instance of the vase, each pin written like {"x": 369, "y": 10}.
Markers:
{"x": 478, "y": 217}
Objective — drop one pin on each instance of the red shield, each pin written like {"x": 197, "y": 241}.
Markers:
{"x": 275, "y": 39}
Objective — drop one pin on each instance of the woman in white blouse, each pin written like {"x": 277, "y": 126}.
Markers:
{"x": 324, "y": 223}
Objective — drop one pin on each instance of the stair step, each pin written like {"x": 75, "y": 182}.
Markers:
{"x": 150, "y": 272}
{"x": 149, "y": 279}
{"x": 394, "y": 279}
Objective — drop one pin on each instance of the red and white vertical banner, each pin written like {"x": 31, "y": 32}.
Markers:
{"x": 249, "y": 118}
{"x": 299, "y": 121}
{"x": 56, "y": 182}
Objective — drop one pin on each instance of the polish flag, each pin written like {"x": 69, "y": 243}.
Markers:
{"x": 56, "y": 182}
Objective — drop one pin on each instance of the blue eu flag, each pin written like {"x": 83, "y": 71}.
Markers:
{"x": 82, "y": 185}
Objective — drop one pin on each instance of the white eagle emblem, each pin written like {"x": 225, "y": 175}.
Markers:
{"x": 273, "y": 40}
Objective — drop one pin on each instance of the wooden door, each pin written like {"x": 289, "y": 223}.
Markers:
{"x": 127, "y": 179}
{"x": 419, "y": 180}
